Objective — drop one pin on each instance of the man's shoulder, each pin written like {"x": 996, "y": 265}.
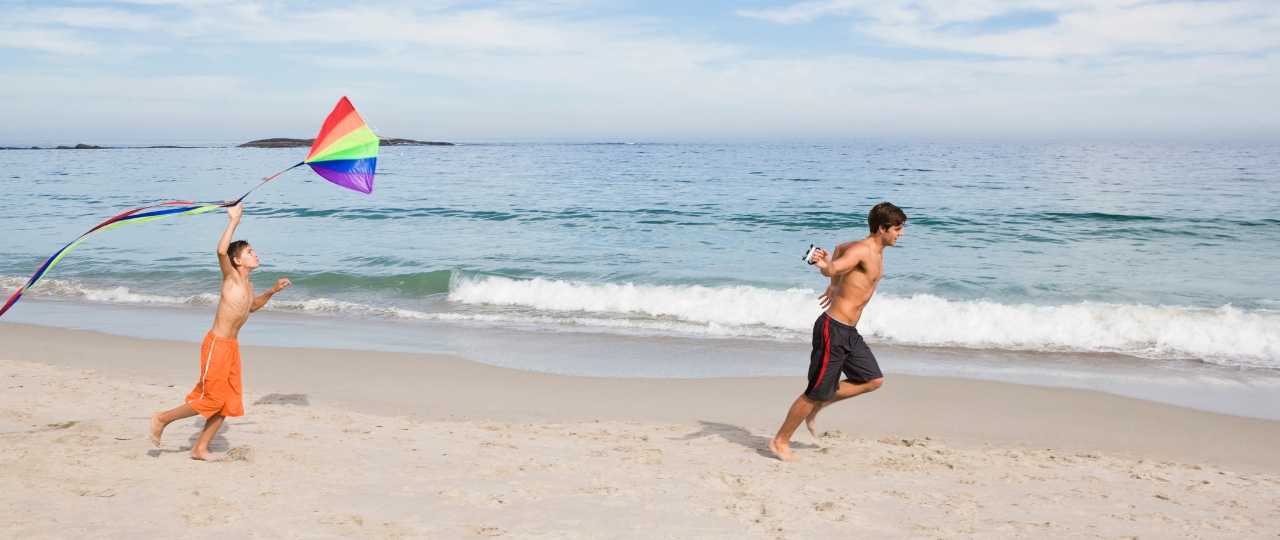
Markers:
{"x": 855, "y": 245}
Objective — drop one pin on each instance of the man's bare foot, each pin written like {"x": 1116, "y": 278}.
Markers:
{"x": 811, "y": 420}
{"x": 202, "y": 455}
{"x": 156, "y": 430}
{"x": 782, "y": 450}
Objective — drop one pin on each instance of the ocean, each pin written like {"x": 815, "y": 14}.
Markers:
{"x": 1140, "y": 268}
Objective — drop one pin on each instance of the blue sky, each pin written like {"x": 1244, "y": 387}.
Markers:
{"x": 630, "y": 70}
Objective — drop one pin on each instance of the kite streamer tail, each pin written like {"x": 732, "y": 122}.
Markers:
{"x": 11, "y": 301}
{"x": 137, "y": 215}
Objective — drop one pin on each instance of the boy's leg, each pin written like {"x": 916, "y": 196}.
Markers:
{"x": 201, "y": 449}
{"x": 781, "y": 443}
{"x": 162, "y": 419}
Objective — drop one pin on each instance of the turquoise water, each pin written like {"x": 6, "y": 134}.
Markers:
{"x": 1154, "y": 251}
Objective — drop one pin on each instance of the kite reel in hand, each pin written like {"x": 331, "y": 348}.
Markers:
{"x": 808, "y": 255}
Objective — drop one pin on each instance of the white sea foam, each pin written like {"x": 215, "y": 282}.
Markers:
{"x": 1224, "y": 335}
{"x": 75, "y": 289}
{"x": 735, "y": 306}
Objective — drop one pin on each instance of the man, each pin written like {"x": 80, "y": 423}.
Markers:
{"x": 218, "y": 394}
{"x": 855, "y": 270}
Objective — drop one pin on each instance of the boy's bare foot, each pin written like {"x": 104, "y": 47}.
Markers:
{"x": 782, "y": 450}
{"x": 156, "y": 430}
{"x": 202, "y": 455}
{"x": 811, "y": 420}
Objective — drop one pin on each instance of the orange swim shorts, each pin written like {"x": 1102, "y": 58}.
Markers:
{"x": 218, "y": 391}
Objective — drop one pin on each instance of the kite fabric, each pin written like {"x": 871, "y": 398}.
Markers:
{"x": 346, "y": 150}
{"x": 345, "y": 153}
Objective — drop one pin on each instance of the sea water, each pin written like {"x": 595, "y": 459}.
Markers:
{"x": 1047, "y": 260}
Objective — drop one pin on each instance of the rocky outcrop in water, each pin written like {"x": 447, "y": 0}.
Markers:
{"x": 304, "y": 143}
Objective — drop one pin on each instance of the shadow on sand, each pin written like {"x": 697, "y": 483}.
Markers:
{"x": 219, "y": 443}
{"x": 740, "y": 436}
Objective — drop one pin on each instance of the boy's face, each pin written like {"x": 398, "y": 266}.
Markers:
{"x": 247, "y": 259}
{"x": 890, "y": 235}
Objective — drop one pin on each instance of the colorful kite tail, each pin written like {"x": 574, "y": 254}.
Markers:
{"x": 137, "y": 215}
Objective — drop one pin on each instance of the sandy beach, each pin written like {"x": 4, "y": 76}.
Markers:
{"x": 382, "y": 445}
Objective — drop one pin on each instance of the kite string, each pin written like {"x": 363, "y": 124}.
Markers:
{"x": 135, "y": 215}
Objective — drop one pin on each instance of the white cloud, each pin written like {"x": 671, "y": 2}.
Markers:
{"x": 39, "y": 39}
{"x": 803, "y": 12}
{"x": 540, "y": 69}
{"x": 1091, "y": 27}
{"x": 88, "y": 18}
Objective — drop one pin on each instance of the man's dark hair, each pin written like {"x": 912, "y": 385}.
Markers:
{"x": 234, "y": 250}
{"x": 885, "y": 214}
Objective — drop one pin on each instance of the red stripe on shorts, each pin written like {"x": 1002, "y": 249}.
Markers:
{"x": 826, "y": 351}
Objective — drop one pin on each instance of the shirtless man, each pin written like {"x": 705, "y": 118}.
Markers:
{"x": 218, "y": 394}
{"x": 855, "y": 270}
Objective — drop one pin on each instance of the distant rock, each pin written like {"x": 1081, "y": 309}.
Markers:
{"x": 80, "y": 146}
{"x": 382, "y": 141}
{"x": 306, "y": 143}
{"x": 278, "y": 143}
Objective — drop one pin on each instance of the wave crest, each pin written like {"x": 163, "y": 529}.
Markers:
{"x": 1224, "y": 335}
{"x": 74, "y": 289}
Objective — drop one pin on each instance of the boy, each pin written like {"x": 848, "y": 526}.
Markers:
{"x": 855, "y": 270}
{"x": 218, "y": 394}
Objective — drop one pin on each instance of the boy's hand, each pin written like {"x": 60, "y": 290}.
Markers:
{"x": 235, "y": 211}
{"x": 280, "y": 285}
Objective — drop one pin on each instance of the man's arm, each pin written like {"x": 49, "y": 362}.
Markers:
{"x": 262, "y": 299}
{"x": 847, "y": 261}
{"x": 224, "y": 262}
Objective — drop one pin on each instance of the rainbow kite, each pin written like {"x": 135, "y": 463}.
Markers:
{"x": 345, "y": 153}
{"x": 346, "y": 150}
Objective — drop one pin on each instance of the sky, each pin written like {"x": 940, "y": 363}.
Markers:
{"x": 624, "y": 70}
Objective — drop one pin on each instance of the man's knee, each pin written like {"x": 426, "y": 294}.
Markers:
{"x": 875, "y": 384}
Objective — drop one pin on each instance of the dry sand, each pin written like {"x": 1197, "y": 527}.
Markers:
{"x": 373, "y": 445}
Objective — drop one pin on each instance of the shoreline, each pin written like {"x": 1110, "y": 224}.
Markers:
{"x": 1251, "y": 392}
{"x": 431, "y": 387}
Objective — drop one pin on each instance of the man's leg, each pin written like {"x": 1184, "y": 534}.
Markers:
{"x": 845, "y": 391}
{"x": 781, "y": 443}
{"x": 162, "y": 419}
{"x": 201, "y": 449}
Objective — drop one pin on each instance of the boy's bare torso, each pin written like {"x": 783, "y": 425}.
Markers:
{"x": 851, "y": 291}
{"x": 234, "y": 306}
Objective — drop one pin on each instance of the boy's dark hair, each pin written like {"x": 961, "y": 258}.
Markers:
{"x": 885, "y": 214}
{"x": 234, "y": 250}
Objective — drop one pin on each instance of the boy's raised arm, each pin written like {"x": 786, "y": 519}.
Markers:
{"x": 224, "y": 262}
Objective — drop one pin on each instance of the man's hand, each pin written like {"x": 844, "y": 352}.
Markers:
{"x": 825, "y": 299}
{"x": 280, "y": 285}
{"x": 821, "y": 259}
{"x": 235, "y": 211}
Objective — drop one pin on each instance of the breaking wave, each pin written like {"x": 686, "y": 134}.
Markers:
{"x": 1225, "y": 335}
